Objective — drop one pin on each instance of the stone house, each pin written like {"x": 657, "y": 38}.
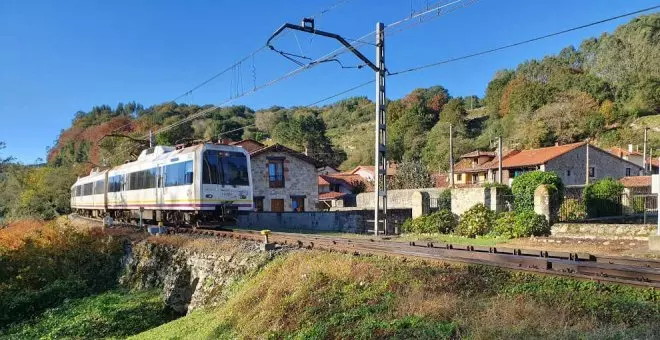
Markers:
{"x": 568, "y": 161}
{"x": 283, "y": 179}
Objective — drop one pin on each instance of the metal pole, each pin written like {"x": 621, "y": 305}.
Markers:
{"x": 380, "y": 181}
{"x": 499, "y": 160}
{"x": 451, "y": 156}
{"x": 586, "y": 181}
{"x": 645, "y": 142}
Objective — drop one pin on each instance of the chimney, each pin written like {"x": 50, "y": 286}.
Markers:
{"x": 630, "y": 148}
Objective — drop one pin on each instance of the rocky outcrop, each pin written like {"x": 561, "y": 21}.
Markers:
{"x": 193, "y": 273}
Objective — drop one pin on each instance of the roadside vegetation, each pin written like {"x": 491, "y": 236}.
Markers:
{"x": 313, "y": 294}
{"x": 50, "y": 278}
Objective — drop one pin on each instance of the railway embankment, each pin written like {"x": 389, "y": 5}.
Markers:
{"x": 192, "y": 272}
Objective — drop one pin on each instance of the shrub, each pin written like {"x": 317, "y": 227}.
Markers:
{"x": 572, "y": 209}
{"x": 523, "y": 188}
{"x": 602, "y": 198}
{"x": 445, "y": 200}
{"x": 443, "y": 221}
{"x": 528, "y": 223}
{"x": 504, "y": 224}
{"x": 476, "y": 221}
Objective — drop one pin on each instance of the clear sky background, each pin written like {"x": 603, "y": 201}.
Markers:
{"x": 59, "y": 57}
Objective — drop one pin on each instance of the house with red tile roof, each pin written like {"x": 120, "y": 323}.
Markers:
{"x": 568, "y": 161}
{"x": 339, "y": 189}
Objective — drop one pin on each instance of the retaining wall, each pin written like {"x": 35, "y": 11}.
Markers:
{"x": 347, "y": 220}
{"x": 603, "y": 231}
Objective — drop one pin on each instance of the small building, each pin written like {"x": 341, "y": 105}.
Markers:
{"x": 568, "y": 161}
{"x": 339, "y": 190}
{"x": 283, "y": 179}
{"x": 637, "y": 185}
{"x": 368, "y": 173}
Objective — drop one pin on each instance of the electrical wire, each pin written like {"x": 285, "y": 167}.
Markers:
{"x": 421, "y": 67}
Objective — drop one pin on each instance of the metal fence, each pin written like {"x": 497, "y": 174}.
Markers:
{"x": 639, "y": 207}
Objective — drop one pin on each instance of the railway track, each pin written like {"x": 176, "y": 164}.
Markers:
{"x": 582, "y": 266}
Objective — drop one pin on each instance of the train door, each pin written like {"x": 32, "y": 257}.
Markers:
{"x": 160, "y": 183}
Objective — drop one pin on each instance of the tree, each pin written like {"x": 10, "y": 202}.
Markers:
{"x": 5, "y": 160}
{"x": 436, "y": 151}
{"x": 411, "y": 174}
{"x": 454, "y": 112}
{"x": 495, "y": 90}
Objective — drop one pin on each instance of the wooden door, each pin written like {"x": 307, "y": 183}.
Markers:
{"x": 277, "y": 205}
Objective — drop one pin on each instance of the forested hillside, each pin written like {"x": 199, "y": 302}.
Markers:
{"x": 606, "y": 89}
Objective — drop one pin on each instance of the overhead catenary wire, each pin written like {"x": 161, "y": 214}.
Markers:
{"x": 231, "y": 67}
{"x": 446, "y": 61}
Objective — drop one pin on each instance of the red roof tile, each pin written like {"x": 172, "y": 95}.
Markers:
{"x": 636, "y": 181}
{"x": 620, "y": 152}
{"x": 332, "y": 195}
{"x": 478, "y": 153}
{"x": 322, "y": 181}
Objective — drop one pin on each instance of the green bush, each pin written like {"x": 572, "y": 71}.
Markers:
{"x": 528, "y": 223}
{"x": 476, "y": 221}
{"x": 572, "y": 210}
{"x": 521, "y": 224}
{"x": 504, "y": 224}
{"x": 445, "y": 200}
{"x": 603, "y": 198}
{"x": 443, "y": 221}
{"x": 523, "y": 188}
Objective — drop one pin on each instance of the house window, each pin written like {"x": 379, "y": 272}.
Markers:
{"x": 276, "y": 174}
{"x": 459, "y": 177}
{"x": 298, "y": 203}
{"x": 592, "y": 172}
{"x": 568, "y": 173}
{"x": 627, "y": 171}
{"x": 258, "y": 203}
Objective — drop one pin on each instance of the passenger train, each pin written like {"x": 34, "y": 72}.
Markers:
{"x": 179, "y": 185}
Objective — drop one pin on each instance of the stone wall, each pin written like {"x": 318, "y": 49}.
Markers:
{"x": 351, "y": 220}
{"x": 396, "y": 199}
{"x": 463, "y": 199}
{"x": 603, "y": 231}
{"x": 300, "y": 179}
{"x": 192, "y": 274}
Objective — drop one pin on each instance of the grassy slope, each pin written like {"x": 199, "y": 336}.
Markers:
{"x": 107, "y": 315}
{"x": 314, "y": 294}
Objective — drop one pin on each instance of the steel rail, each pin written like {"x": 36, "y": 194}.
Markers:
{"x": 621, "y": 270}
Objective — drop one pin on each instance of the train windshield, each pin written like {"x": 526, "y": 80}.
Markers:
{"x": 223, "y": 167}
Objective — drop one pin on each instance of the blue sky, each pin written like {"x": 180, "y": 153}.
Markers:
{"x": 59, "y": 57}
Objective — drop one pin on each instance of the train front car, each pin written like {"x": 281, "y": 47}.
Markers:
{"x": 226, "y": 182}
{"x": 204, "y": 183}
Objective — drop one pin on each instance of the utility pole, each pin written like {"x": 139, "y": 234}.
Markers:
{"x": 499, "y": 160}
{"x": 586, "y": 181}
{"x": 151, "y": 139}
{"x": 451, "y": 156}
{"x": 380, "y": 180}
{"x": 381, "y": 132}
{"x": 645, "y": 142}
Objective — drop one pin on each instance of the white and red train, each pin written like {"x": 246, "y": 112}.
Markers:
{"x": 187, "y": 185}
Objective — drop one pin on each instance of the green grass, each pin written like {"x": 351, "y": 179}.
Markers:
{"x": 448, "y": 238}
{"x": 314, "y": 294}
{"x": 113, "y": 314}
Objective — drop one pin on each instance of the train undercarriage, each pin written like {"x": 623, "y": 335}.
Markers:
{"x": 223, "y": 215}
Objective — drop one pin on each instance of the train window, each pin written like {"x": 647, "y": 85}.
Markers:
{"x": 114, "y": 183}
{"x": 78, "y": 190}
{"x": 99, "y": 187}
{"x": 222, "y": 167}
{"x": 179, "y": 174}
{"x": 145, "y": 179}
{"x": 87, "y": 189}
